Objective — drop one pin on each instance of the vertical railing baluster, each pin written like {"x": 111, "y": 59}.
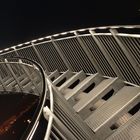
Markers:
{"x": 126, "y": 51}
{"x": 40, "y": 58}
{"x": 88, "y": 53}
{"x": 26, "y": 72}
{"x": 13, "y": 74}
{"x": 63, "y": 57}
{"x": 106, "y": 54}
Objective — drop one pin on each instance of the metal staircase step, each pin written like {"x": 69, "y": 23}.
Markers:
{"x": 70, "y": 119}
{"x": 33, "y": 88}
{"x": 77, "y": 77}
{"x": 63, "y": 77}
{"x": 9, "y": 80}
{"x": 102, "y": 118}
{"x": 88, "y": 103}
{"x": 6, "y": 78}
{"x": 20, "y": 78}
{"x": 128, "y": 131}
{"x": 92, "y": 80}
{"x": 54, "y": 75}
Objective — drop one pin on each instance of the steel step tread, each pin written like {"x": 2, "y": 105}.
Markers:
{"x": 8, "y": 81}
{"x": 20, "y": 78}
{"x": 80, "y": 75}
{"x": 54, "y": 74}
{"x": 81, "y": 86}
{"x": 129, "y": 131}
{"x": 94, "y": 95}
{"x": 114, "y": 106}
{"x": 66, "y": 75}
{"x": 6, "y": 78}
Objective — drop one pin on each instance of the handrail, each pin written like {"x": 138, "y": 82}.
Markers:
{"x": 35, "y": 120}
{"x": 99, "y": 47}
{"x": 50, "y": 120}
{"x": 42, "y": 39}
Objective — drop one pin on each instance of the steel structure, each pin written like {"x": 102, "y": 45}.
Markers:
{"x": 93, "y": 79}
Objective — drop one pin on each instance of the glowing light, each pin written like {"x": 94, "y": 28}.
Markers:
{"x": 102, "y": 27}
{"x": 64, "y": 33}
{"x": 90, "y": 29}
{"x": 72, "y": 31}
{"x": 129, "y": 27}
{"x": 29, "y": 121}
{"x": 19, "y": 45}
{"x": 81, "y": 30}
{"x": 47, "y": 37}
{"x": 6, "y": 49}
{"x": 13, "y": 47}
{"x": 41, "y": 38}
{"x": 34, "y": 40}
{"x": 55, "y": 35}
{"x": 27, "y": 43}
{"x": 114, "y": 27}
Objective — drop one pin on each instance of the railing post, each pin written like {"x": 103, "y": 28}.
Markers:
{"x": 106, "y": 54}
{"x": 66, "y": 133}
{"x": 63, "y": 57}
{"x": 126, "y": 51}
{"x": 29, "y": 76}
{"x": 26, "y": 71}
{"x": 40, "y": 58}
{"x": 88, "y": 53}
{"x": 13, "y": 74}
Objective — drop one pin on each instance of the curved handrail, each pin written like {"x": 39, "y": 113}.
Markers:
{"x": 29, "y": 43}
{"x": 50, "y": 120}
{"x": 35, "y": 120}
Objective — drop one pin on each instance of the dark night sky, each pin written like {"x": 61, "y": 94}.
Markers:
{"x": 22, "y": 21}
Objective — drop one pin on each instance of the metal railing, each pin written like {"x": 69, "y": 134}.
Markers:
{"x": 27, "y": 76}
{"x": 112, "y": 51}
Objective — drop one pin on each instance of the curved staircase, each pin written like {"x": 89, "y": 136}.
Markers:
{"x": 93, "y": 83}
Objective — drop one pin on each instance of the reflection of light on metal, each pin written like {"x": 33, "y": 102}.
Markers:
{"x": 27, "y": 43}
{"x": 47, "y": 37}
{"x": 81, "y": 30}
{"x": 41, "y": 38}
{"x": 6, "y": 49}
{"x": 64, "y": 33}
{"x": 72, "y": 31}
{"x": 19, "y": 45}
{"x": 129, "y": 27}
{"x": 102, "y": 27}
{"x": 34, "y": 40}
{"x": 13, "y": 47}
{"x": 56, "y": 35}
{"x": 1, "y": 51}
{"x": 114, "y": 27}
{"x": 90, "y": 29}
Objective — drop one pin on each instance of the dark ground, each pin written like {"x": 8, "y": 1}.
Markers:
{"x": 16, "y": 110}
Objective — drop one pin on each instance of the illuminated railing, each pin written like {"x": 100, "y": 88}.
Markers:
{"x": 112, "y": 51}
